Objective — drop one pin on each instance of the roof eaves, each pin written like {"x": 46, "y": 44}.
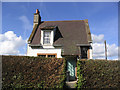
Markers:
{"x": 35, "y": 45}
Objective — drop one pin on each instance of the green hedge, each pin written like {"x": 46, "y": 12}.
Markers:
{"x": 32, "y": 72}
{"x": 98, "y": 74}
{"x": 80, "y": 81}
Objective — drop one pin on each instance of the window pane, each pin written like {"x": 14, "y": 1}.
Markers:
{"x": 46, "y": 37}
{"x": 51, "y": 55}
{"x": 42, "y": 55}
{"x": 46, "y": 33}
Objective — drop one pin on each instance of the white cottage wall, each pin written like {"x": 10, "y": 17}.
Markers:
{"x": 33, "y": 52}
{"x": 91, "y": 51}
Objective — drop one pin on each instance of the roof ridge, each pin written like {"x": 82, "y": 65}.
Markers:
{"x": 65, "y": 21}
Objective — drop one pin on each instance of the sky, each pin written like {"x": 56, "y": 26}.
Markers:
{"x": 17, "y": 23}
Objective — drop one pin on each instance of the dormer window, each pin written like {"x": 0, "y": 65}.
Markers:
{"x": 46, "y": 37}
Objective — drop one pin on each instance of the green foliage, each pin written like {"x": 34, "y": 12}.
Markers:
{"x": 32, "y": 72}
{"x": 98, "y": 74}
{"x": 80, "y": 81}
{"x": 63, "y": 77}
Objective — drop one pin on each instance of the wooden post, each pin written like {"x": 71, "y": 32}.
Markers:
{"x": 105, "y": 50}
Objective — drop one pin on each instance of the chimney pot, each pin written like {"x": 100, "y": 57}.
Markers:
{"x": 37, "y": 11}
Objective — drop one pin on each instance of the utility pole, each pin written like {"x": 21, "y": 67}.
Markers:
{"x": 105, "y": 50}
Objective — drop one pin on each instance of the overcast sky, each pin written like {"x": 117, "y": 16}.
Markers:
{"x": 17, "y": 23}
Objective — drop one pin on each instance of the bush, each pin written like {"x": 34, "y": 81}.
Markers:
{"x": 80, "y": 81}
{"x": 32, "y": 72}
{"x": 98, "y": 74}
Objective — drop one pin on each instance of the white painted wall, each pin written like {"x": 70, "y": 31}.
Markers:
{"x": 33, "y": 52}
{"x": 91, "y": 51}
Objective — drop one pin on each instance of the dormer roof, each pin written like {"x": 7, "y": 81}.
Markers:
{"x": 48, "y": 27}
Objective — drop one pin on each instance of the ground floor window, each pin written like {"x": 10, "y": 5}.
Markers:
{"x": 47, "y": 55}
{"x": 51, "y": 55}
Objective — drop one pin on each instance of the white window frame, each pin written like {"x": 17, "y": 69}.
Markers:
{"x": 51, "y": 38}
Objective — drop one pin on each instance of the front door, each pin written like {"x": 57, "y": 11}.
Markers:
{"x": 71, "y": 64}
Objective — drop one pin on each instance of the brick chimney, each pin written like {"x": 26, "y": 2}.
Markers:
{"x": 37, "y": 18}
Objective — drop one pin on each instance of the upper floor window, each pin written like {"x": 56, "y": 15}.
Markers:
{"x": 46, "y": 37}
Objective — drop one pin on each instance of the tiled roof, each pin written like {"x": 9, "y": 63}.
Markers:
{"x": 33, "y": 33}
{"x": 69, "y": 34}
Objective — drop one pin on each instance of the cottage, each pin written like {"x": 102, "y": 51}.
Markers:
{"x": 59, "y": 39}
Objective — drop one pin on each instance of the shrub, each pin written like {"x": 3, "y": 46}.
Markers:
{"x": 80, "y": 81}
{"x": 98, "y": 74}
{"x": 32, "y": 72}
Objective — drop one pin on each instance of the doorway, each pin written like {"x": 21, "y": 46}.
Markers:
{"x": 71, "y": 67}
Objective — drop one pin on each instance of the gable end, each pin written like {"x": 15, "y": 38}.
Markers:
{"x": 33, "y": 33}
